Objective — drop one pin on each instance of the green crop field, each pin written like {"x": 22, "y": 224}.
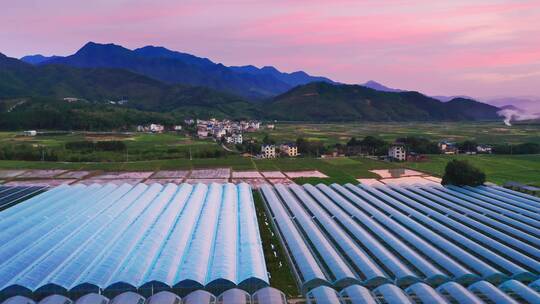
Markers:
{"x": 498, "y": 168}
{"x": 338, "y": 170}
{"x": 139, "y": 146}
{"x": 482, "y": 132}
{"x": 171, "y": 151}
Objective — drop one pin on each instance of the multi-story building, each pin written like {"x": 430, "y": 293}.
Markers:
{"x": 234, "y": 139}
{"x": 268, "y": 151}
{"x": 156, "y": 128}
{"x": 219, "y": 132}
{"x": 237, "y": 138}
{"x": 202, "y": 132}
{"x": 447, "y": 147}
{"x": 290, "y": 150}
{"x": 397, "y": 152}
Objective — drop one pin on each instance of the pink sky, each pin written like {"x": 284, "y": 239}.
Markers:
{"x": 449, "y": 47}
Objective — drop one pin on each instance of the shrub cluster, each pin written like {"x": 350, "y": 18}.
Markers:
{"x": 113, "y": 145}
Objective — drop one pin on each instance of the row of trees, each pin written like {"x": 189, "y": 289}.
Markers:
{"x": 376, "y": 146}
{"x": 525, "y": 148}
{"x": 28, "y": 153}
{"x": 110, "y": 145}
{"x": 372, "y": 145}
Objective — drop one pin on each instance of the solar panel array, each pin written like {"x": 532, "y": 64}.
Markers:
{"x": 340, "y": 236}
{"x": 266, "y": 295}
{"x": 107, "y": 237}
{"x": 10, "y": 196}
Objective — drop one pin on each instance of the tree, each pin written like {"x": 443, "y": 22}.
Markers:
{"x": 374, "y": 145}
{"x": 310, "y": 148}
{"x": 353, "y": 142}
{"x": 420, "y": 145}
{"x": 468, "y": 146}
{"x": 461, "y": 173}
{"x": 267, "y": 140}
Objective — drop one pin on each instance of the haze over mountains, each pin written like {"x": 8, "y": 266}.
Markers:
{"x": 156, "y": 79}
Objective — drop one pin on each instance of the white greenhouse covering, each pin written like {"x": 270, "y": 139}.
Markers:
{"x": 450, "y": 292}
{"x": 417, "y": 238}
{"x": 265, "y": 295}
{"x": 95, "y": 238}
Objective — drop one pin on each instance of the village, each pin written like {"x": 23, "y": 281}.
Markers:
{"x": 227, "y": 132}
{"x": 231, "y": 134}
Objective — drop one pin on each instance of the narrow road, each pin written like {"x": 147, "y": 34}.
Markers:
{"x": 227, "y": 149}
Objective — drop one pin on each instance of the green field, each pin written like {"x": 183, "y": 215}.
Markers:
{"x": 482, "y": 132}
{"x": 171, "y": 150}
{"x": 498, "y": 168}
{"x": 139, "y": 146}
{"x": 339, "y": 170}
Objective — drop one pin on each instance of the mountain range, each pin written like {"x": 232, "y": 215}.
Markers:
{"x": 37, "y": 59}
{"x": 181, "y": 68}
{"x": 322, "y": 101}
{"x": 158, "y": 80}
{"x": 103, "y": 85}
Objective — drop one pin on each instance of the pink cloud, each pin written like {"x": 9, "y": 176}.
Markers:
{"x": 419, "y": 44}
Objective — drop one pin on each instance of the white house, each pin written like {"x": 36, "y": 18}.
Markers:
{"x": 219, "y": 132}
{"x": 448, "y": 147}
{"x": 156, "y": 128}
{"x": 268, "y": 151}
{"x": 30, "y": 133}
{"x": 290, "y": 150}
{"x": 178, "y": 128}
{"x": 202, "y": 133}
{"x": 234, "y": 139}
{"x": 237, "y": 138}
{"x": 397, "y": 152}
{"x": 71, "y": 99}
{"x": 484, "y": 149}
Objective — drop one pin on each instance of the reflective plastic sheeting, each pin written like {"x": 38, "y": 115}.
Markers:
{"x": 123, "y": 237}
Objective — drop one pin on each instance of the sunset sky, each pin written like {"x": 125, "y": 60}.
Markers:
{"x": 473, "y": 47}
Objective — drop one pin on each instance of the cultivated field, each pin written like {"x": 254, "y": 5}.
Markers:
{"x": 139, "y": 146}
{"x": 482, "y": 132}
{"x": 498, "y": 168}
{"x": 152, "y": 152}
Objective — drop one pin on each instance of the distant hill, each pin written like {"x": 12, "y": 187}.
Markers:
{"x": 181, "y": 68}
{"x": 530, "y": 104}
{"x": 448, "y": 98}
{"x": 101, "y": 85}
{"x": 37, "y": 59}
{"x": 31, "y": 94}
{"x": 292, "y": 79}
{"x": 328, "y": 102}
{"x": 380, "y": 87}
